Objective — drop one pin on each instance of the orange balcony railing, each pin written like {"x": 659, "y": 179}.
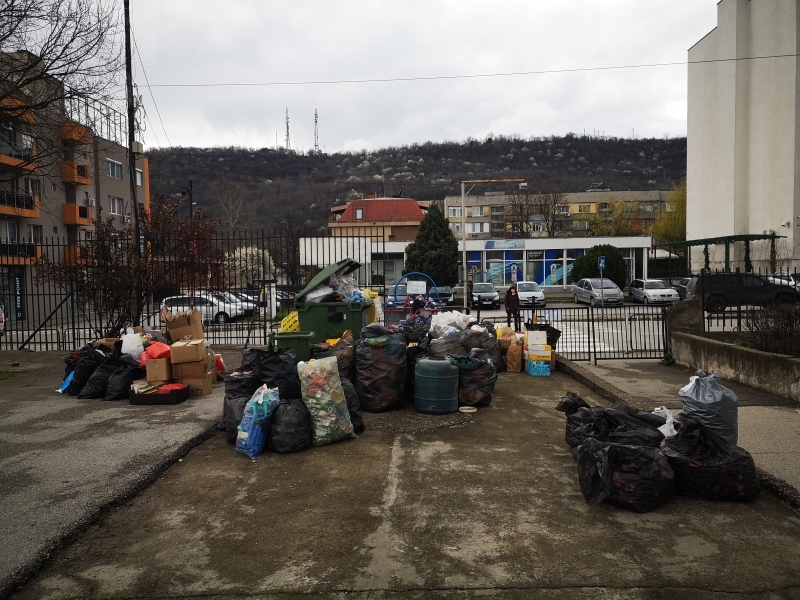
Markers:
{"x": 69, "y": 131}
{"x": 72, "y": 172}
{"x": 77, "y": 214}
{"x": 19, "y": 205}
{"x": 17, "y": 109}
{"x": 19, "y": 253}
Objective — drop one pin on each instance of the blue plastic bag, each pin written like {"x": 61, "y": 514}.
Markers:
{"x": 65, "y": 386}
{"x": 252, "y": 436}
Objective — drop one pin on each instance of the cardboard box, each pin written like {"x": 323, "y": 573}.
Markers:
{"x": 533, "y": 338}
{"x": 190, "y": 370}
{"x": 539, "y": 349}
{"x": 538, "y": 356}
{"x": 188, "y": 326}
{"x": 105, "y": 342}
{"x": 174, "y": 397}
{"x": 201, "y": 386}
{"x": 158, "y": 370}
{"x": 188, "y": 351}
{"x": 536, "y": 368}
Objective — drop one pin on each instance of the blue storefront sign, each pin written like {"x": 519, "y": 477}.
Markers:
{"x": 505, "y": 244}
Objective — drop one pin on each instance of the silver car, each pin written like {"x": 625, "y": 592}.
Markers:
{"x": 215, "y": 307}
{"x": 530, "y": 295}
{"x": 652, "y": 291}
{"x": 596, "y": 291}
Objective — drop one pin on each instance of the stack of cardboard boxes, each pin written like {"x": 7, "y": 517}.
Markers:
{"x": 191, "y": 362}
{"x": 539, "y": 355}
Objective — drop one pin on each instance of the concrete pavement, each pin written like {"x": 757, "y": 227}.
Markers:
{"x": 490, "y": 508}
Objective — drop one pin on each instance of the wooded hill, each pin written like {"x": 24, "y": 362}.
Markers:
{"x": 258, "y": 188}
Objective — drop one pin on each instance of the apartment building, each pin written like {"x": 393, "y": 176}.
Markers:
{"x": 387, "y": 219}
{"x": 492, "y": 215}
{"x": 61, "y": 163}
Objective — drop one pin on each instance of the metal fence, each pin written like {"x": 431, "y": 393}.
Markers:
{"x": 58, "y": 294}
{"x": 609, "y": 333}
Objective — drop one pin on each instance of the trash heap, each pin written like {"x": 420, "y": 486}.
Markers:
{"x": 146, "y": 366}
{"x": 637, "y": 460}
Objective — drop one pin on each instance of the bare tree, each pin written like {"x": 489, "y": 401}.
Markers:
{"x": 231, "y": 206}
{"x": 546, "y": 205}
{"x": 58, "y": 64}
{"x": 521, "y": 210}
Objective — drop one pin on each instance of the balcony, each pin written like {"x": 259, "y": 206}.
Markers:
{"x": 16, "y": 253}
{"x": 77, "y": 214}
{"x": 17, "y": 109}
{"x": 72, "y": 172}
{"x": 13, "y": 156}
{"x": 73, "y": 255}
{"x": 19, "y": 205}
{"x": 72, "y": 132}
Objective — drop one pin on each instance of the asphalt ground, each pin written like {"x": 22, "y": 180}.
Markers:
{"x": 490, "y": 507}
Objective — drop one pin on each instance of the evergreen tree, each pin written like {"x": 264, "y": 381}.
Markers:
{"x": 434, "y": 250}
{"x": 616, "y": 270}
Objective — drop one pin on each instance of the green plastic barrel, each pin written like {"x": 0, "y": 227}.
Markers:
{"x": 436, "y": 384}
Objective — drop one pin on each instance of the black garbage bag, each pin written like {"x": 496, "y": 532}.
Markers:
{"x": 493, "y": 346}
{"x": 476, "y": 379}
{"x": 707, "y": 467}
{"x": 239, "y": 384}
{"x": 631, "y": 477}
{"x": 713, "y": 405}
{"x": 119, "y": 384}
{"x": 414, "y": 354}
{"x": 381, "y": 372}
{"x": 88, "y": 359}
{"x": 277, "y": 369}
{"x": 620, "y": 424}
{"x": 353, "y": 405}
{"x": 345, "y": 356}
{"x": 98, "y": 383}
{"x": 291, "y": 427}
{"x": 69, "y": 362}
{"x": 454, "y": 344}
{"x": 233, "y": 411}
{"x": 374, "y": 330}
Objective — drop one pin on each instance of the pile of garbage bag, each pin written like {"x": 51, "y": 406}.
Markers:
{"x": 636, "y": 460}
{"x": 380, "y": 370}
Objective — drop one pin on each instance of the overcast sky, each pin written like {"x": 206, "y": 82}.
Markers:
{"x": 266, "y": 41}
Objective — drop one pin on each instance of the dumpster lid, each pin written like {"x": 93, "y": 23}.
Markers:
{"x": 347, "y": 265}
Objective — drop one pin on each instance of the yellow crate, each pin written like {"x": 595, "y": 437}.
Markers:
{"x": 290, "y": 323}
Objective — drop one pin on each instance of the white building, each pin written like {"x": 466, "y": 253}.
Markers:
{"x": 743, "y": 150}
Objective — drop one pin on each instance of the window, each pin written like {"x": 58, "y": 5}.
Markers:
{"x": 477, "y": 227}
{"x": 83, "y": 171}
{"x": 139, "y": 178}
{"x": 562, "y": 209}
{"x": 538, "y": 225}
{"x": 456, "y": 227}
{"x": 359, "y": 214}
{"x": 476, "y": 211}
{"x": 498, "y": 209}
{"x": 113, "y": 169}
{"x": 35, "y": 234}
{"x": 603, "y": 206}
{"x": 9, "y": 231}
{"x": 31, "y": 186}
{"x": 583, "y": 225}
{"x": 454, "y": 211}
{"x": 115, "y": 205}
{"x": 584, "y": 208}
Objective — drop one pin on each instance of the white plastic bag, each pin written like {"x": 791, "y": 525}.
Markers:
{"x": 668, "y": 429}
{"x": 132, "y": 344}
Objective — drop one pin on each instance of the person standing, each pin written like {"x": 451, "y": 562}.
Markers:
{"x": 512, "y": 307}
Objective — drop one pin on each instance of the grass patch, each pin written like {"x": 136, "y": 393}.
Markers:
{"x": 7, "y": 375}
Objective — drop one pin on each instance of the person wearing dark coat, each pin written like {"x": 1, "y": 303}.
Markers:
{"x": 512, "y": 307}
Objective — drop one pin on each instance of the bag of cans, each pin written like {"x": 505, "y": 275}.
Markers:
{"x": 323, "y": 396}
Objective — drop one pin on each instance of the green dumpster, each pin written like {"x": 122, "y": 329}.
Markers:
{"x": 301, "y": 342}
{"x": 331, "y": 319}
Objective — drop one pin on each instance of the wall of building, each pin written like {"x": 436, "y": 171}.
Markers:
{"x": 742, "y": 171}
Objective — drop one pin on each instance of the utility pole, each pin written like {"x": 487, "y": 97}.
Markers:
{"x": 316, "y": 132}
{"x": 288, "y": 145}
{"x": 132, "y": 158}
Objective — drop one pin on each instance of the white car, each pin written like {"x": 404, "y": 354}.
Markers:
{"x": 215, "y": 306}
{"x": 530, "y": 295}
{"x": 652, "y": 291}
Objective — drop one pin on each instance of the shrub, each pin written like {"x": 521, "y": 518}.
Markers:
{"x": 774, "y": 329}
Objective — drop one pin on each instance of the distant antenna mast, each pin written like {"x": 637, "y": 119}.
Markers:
{"x": 288, "y": 145}
{"x": 316, "y": 132}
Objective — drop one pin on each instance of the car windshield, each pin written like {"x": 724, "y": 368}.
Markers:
{"x": 400, "y": 291}
{"x": 442, "y": 291}
{"x": 654, "y": 285}
{"x": 528, "y": 287}
{"x": 606, "y": 284}
{"x": 230, "y": 297}
{"x": 483, "y": 288}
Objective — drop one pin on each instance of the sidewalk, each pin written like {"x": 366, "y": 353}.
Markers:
{"x": 769, "y": 425}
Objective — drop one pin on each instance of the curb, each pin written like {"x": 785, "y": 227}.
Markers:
{"x": 780, "y": 489}
{"x": 26, "y": 572}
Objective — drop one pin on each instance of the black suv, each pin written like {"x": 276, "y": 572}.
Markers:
{"x": 721, "y": 290}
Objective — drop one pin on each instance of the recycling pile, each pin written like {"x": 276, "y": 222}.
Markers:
{"x": 637, "y": 460}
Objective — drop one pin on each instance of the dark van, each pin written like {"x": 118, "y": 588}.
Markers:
{"x": 718, "y": 291}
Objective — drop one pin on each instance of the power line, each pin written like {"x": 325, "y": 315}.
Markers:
{"x": 473, "y": 76}
{"x": 150, "y": 89}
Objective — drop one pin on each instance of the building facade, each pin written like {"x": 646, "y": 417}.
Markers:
{"x": 492, "y": 215}
{"x": 59, "y": 166}
{"x": 743, "y": 131}
{"x": 395, "y": 219}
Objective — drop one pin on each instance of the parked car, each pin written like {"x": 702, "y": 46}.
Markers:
{"x": 685, "y": 287}
{"x": 442, "y": 294}
{"x": 596, "y": 291}
{"x": 721, "y": 290}
{"x": 652, "y": 291}
{"x": 247, "y": 303}
{"x": 785, "y": 278}
{"x": 214, "y": 306}
{"x": 530, "y": 295}
{"x": 484, "y": 294}
{"x": 396, "y": 296}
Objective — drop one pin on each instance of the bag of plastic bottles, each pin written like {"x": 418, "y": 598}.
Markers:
{"x": 255, "y": 423}
{"x": 324, "y": 397}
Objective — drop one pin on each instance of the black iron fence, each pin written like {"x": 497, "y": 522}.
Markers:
{"x": 58, "y": 294}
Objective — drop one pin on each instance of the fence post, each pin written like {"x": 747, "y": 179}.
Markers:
{"x": 593, "y": 340}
